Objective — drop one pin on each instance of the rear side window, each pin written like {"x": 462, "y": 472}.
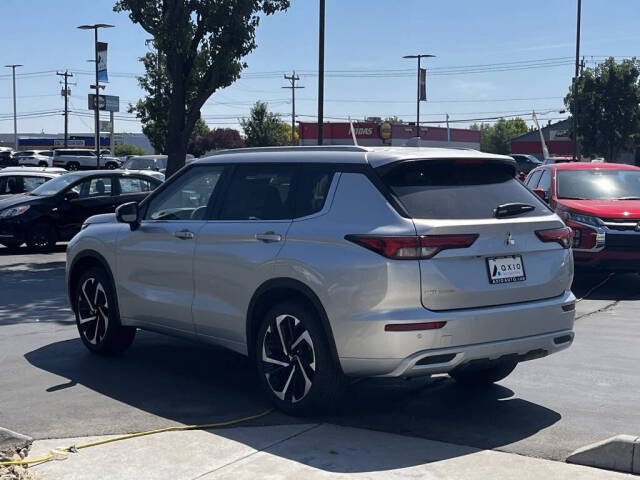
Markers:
{"x": 134, "y": 185}
{"x": 259, "y": 192}
{"x": 312, "y": 185}
{"x": 33, "y": 182}
{"x": 457, "y": 189}
{"x": 532, "y": 181}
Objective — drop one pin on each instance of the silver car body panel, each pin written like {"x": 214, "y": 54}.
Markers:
{"x": 203, "y": 287}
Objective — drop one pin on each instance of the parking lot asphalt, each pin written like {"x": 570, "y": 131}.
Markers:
{"x": 51, "y": 387}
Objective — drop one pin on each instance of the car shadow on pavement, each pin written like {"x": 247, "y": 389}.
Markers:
{"x": 24, "y": 250}
{"x": 169, "y": 381}
{"x": 594, "y": 285}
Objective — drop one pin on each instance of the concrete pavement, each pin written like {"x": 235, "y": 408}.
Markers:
{"x": 309, "y": 451}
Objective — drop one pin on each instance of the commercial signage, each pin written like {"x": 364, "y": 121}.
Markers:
{"x": 72, "y": 143}
{"x": 423, "y": 84}
{"x": 105, "y": 126}
{"x": 109, "y": 103}
{"x": 102, "y": 62}
{"x": 385, "y": 130}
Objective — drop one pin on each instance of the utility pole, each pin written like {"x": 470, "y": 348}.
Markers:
{"x": 15, "y": 116}
{"x": 321, "y": 74}
{"x": 574, "y": 120}
{"x": 65, "y": 94}
{"x": 421, "y": 95}
{"x": 293, "y": 78}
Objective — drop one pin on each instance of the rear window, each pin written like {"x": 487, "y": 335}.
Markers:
{"x": 457, "y": 189}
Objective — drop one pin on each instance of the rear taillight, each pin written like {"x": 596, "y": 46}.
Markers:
{"x": 562, "y": 235}
{"x": 412, "y": 248}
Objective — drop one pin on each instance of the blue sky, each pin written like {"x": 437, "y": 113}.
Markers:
{"x": 360, "y": 35}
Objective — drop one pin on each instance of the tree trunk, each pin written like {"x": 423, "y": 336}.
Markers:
{"x": 176, "y": 142}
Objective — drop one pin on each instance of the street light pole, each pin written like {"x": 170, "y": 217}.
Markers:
{"x": 321, "y": 74}
{"x": 574, "y": 120}
{"x": 97, "y": 85}
{"x": 15, "y": 116}
{"x": 419, "y": 57}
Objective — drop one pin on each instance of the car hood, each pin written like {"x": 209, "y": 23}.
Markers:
{"x": 603, "y": 208}
{"x": 8, "y": 201}
{"x": 103, "y": 218}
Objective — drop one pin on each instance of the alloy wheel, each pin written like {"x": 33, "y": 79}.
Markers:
{"x": 93, "y": 311}
{"x": 288, "y": 358}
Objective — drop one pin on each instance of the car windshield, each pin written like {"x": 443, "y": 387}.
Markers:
{"x": 54, "y": 186}
{"x": 598, "y": 184}
{"x": 139, "y": 164}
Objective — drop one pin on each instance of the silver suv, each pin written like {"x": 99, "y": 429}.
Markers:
{"x": 323, "y": 263}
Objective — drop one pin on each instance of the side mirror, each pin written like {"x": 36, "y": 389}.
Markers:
{"x": 71, "y": 195}
{"x": 541, "y": 193}
{"x": 128, "y": 213}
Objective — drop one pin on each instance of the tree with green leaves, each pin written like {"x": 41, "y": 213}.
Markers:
{"x": 264, "y": 128}
{"x": 203, "y": 43}
{"x": 608, "y": 114}
{"x": 496, "y": 138}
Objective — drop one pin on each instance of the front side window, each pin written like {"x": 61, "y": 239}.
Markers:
{"x": 10, "y": 185}
{"x": 259, "y": 192}
{"x": 187, "y": 197}
{"x": 94, "y": 187}
{"x": 545, "y": 181}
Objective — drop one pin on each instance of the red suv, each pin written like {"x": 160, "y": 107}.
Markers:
{"x": 601, "y": 203}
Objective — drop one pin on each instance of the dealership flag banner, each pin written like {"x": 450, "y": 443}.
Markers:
{"x": 102, "y": 62}
{"x": 423, "y": 84}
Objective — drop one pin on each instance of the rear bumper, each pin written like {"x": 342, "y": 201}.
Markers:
{"x": 527, "y": 331}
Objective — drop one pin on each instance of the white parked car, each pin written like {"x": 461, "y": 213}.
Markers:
{"x": 82, "y": 159}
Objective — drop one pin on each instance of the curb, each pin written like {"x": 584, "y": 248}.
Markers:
{"x": 13, "y": 441}
{"x": 620, "y": 453}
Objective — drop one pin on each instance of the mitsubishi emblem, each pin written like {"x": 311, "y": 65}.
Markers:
{"x": 509, "y": 241}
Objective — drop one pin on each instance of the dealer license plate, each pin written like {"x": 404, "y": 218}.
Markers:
{"x": 506, "y": 269}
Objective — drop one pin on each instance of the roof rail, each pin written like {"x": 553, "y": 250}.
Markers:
{"x": 310, "y": 148}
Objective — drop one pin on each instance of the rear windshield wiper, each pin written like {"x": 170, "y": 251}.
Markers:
{"x": 512, "y": 209}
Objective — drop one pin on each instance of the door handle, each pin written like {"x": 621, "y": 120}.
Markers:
{"x": 184, "y": 234}
{"x": 268, "y": 237}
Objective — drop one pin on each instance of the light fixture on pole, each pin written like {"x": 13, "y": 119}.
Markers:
{"x": 15, "y": 116}
{"x": 422, "y": 89}
{"x": 97, "y": 85}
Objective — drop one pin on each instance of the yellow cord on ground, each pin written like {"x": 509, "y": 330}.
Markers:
{"x": 592, "y": 289}
{"x": 73, "y": 448}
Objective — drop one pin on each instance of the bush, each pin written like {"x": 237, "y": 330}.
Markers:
{"x": 128, "y": 149}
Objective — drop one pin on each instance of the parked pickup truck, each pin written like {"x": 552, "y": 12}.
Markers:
{"x": 79, "y": 159}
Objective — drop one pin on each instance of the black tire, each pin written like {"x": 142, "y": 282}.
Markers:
{"x": 97, "y": 315}
{"x": 111, "y": 166}
{"x": 43, "y": 164}
{"x": 42, "y": 237}
{"x": 297, "y": 371}
{"x": 479, "y": 377}
{"x": 73, "y": 166}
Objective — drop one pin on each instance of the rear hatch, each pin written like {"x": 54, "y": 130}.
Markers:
{"x": 518, "y": 254}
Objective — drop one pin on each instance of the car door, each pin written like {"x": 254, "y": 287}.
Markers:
{"x": 89, "y": 197}
{"x": 155, "y": 261}
{"x": 237, "y": 249}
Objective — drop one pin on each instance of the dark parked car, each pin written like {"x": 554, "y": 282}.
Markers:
{"x": 7, "y": 160}
{"x": 56, "y": 210}
{"x": 526, "y": 163}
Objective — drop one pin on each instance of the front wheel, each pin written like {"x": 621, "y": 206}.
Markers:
{"x": 294, "y": 361}
{"x": 73, "y": 166}
{"x": 42, "y": 237}
{"x": 97, "y": 316}
{"x": 43, "y": 164}
{"x": 111, "y": 166}
{"x": 473, "y": 377}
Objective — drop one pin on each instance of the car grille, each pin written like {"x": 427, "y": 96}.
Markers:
{"x": 622, "y": 224}
{"x": 623, "y": 242}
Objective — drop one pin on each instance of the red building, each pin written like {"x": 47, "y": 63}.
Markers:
{"x": 381, "y": 134}
{"x": 556, "y": 136}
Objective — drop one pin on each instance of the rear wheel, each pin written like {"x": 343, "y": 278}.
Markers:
{"x": 42, "y": 237}
{"x": 478, "y": 377}
{"x": 72, "y": 166}
{"x": 111, "y": 166}
{"x": 294, "y": 361}
{"x": 43, "y": 164}
{"x": 97, "y": 315}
